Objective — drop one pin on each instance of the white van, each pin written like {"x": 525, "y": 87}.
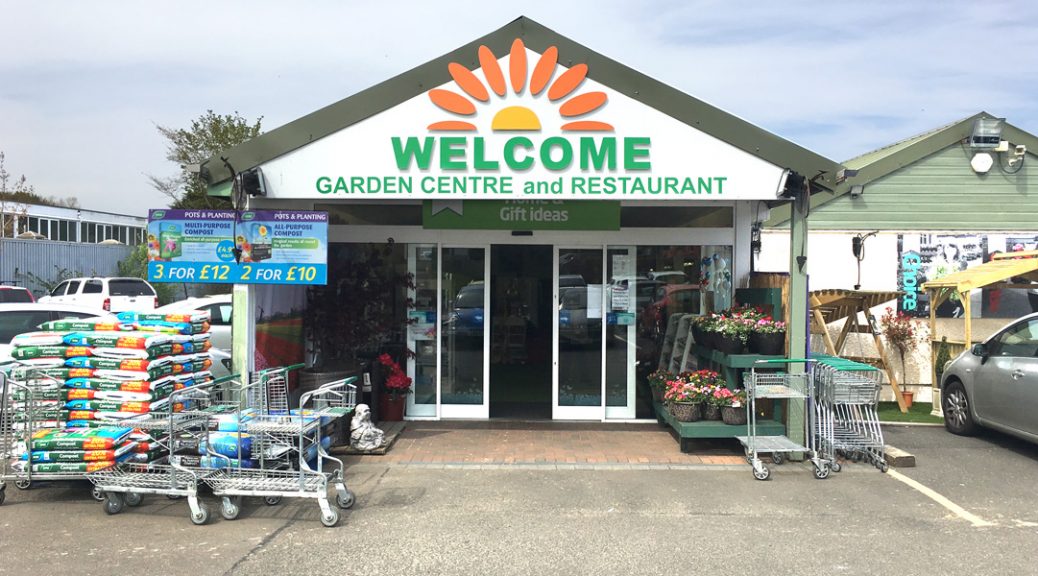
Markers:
{"x": 109, "y": 294}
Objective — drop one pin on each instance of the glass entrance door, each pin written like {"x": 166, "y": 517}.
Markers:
{"x": 464, "y": 338}
{"x": 620, "y": 332}
{"x": 579, "y": 336}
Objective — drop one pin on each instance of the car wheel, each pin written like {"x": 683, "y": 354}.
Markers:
{"x": 956, "y": 405}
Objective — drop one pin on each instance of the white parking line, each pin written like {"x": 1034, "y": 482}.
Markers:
{"x": 959, "y": 511}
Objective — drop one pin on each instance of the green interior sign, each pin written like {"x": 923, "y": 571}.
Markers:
{"x": 520, "y": 215}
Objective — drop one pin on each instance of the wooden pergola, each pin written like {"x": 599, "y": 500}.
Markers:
{"x": 1004, "y": 271}
{"x": 828, "y": 306}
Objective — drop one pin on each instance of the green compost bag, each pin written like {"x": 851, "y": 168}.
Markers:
{"x": 171, "y": 241}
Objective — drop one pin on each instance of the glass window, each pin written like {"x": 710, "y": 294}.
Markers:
{"x": 15, "y": 322}
{"x": 73, "y": 286}
{"x": 91, "y": 233}
{"x": 60, "y": 289}
{"x": 1020, "y": 341}
{"x": 34, "y": 224}
{"x": 580, "y": 328}
{"x": 93, "y": 287}
{"x": 129, "y": 287}
{"x": 461, "y": 374}
{"x": 11, "y": 294}
{"x": 220, "y": 314}
{"x": 63, "y": 227}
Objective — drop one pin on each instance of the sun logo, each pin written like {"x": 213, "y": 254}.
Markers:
{"x": 518, "y": 118}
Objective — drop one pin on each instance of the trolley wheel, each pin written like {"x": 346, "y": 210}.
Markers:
{"x": 883, "y": 466}
{"x": 174, "y": 496}
{"x": 272, "y": 500}
{"x": 822, "y": 472}
{"x": 778, "y": 458}
{"x": 3, "y": 495}
{"x": 23, "y": 484}
{"x": 836, "y": 466}
{"x": 346, "y": 502}
{"x": 97, "y": 494}
{"x": 331, "y": 518}
{"x": 133, "y": 499}
{"x": 762, "y": 473}
{"x": 113, "y": 503}
{"x": 201, "y": 517}
{"x": 230, "y": 507}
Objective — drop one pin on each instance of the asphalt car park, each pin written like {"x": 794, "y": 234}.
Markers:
{"x": 444, "y": 519}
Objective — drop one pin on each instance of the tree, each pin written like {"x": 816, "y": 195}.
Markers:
{"x": 15, "y": 196}
{"x": 136, "y": 266}
{"x": 209, "y": 134}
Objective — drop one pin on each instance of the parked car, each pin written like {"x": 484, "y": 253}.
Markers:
{"x": 11, "y": 294}
{"x": 17, "y": 319}
{"x": 219, "y": 308}
{"x": 995, "y": 384}
{"x": 466, "y": 315}
{"x": 108, "y": 294}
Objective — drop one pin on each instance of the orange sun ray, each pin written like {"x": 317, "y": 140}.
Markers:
{"x": 587, "y": 126}
{"x": 544, "y": 69}
{"x": 567, "y": 82}
{"x": 453, "y": 102}
{"x": 468, "y": 82}
{"x": 492, "y": 70}
{"x": 583, "y": 104}
{"x": 517, "y": 66}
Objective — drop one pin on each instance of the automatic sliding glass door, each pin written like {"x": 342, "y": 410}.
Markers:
{"x": 620, "y": 332}
{"x": 579, "y": 315}
{"x": 464, "y": 338}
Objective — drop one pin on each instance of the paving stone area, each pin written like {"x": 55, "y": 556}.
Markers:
{"x": 548, "y": 444}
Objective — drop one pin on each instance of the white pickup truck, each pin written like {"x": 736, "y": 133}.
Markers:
{"x": 108, "y": 294}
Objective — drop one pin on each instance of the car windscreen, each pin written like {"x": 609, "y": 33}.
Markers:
{"x": 15, "y": 322}
{"x": 469, "y": 298}
{"x": 14, "y": 295}
{"x": 129, "y": 288}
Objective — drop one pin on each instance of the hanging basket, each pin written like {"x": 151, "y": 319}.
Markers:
{"x": 773, "y": 344}
{"x": 734, "y": 416}
{"x": 687, "y": 411}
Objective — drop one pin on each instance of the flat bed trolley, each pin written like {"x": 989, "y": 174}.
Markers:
{"x": 787, "y": 386}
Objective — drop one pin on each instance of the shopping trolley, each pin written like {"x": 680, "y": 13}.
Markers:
{"x": 787, "y": 386}
{"x": 282, "y": 448}
{"x": 846, "y": 418}
{"x": 186, "y": 420}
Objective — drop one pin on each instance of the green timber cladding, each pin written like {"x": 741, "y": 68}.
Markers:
{"x": 926, "y": 183}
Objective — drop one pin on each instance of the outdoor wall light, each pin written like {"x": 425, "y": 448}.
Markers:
{"x": 987, "y": 133}
{"x": 982, "y": 162}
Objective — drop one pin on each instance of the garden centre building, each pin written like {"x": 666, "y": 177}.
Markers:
{"x": 526, "y": 212}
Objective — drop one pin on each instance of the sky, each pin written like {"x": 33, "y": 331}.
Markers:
{"x": 83, "y": 85}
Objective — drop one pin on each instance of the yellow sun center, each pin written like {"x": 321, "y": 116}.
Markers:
{"x": 515, "y": 118}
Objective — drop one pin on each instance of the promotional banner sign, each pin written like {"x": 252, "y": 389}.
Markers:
{"x": 275, "y": 246}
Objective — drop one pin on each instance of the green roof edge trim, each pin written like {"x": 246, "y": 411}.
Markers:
{"x": 623, "y": 79}
{"x": 878, "y": 163}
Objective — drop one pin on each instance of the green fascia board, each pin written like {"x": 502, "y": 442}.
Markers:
{"x": 682, "y": 107}
{"x": 884, "y": 161}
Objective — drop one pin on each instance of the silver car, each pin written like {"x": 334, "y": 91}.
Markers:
{"x": 995, "y": 384}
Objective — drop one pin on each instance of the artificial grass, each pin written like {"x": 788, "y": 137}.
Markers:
{"x": 919, "y": 413}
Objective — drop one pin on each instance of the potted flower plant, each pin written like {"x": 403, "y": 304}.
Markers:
{"x": 902, "y": 333}
{"x": 734, "y": 411}
{"x": 658, "y": 383}
{"x": 719, "y": 397}
{"x": 768, "y": 337}
{"x": 685, "y": 400}
{"x": 395, "y": 389}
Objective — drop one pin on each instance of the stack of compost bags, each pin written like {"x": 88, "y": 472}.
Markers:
{"x": 95, "y": 374}
{"x": 72, "y": 450}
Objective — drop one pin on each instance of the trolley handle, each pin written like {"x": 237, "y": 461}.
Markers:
{"x": 785, "y": 361}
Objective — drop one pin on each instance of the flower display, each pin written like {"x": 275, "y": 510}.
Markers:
{"x": 397, "y": 381}
{"x": 768, "y": 326}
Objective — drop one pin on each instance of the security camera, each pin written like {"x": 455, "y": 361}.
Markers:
{"x": 1020, "y": 150}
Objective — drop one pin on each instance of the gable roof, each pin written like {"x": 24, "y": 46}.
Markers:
{"x": 682, "y": 107}
{"x": 878, "y": 163}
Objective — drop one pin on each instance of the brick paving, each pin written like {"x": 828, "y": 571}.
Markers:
{"x": 548, "y": 444}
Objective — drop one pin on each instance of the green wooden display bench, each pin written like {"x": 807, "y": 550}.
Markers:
{"x": 689, "y": 432}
